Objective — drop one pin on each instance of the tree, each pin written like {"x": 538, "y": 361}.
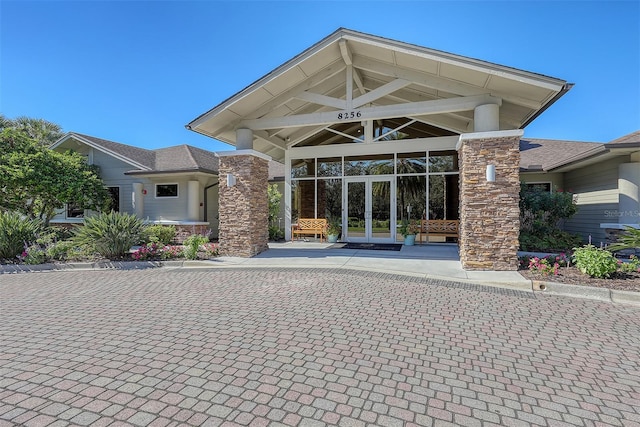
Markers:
{"x": 43, "y": 131}
{"x": 36, "y": 180}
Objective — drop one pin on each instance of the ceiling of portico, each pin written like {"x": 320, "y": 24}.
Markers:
{"x": 298, "y": 103}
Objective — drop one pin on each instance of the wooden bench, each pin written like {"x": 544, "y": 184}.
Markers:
{"x": 439, "y": 227}
{"x": 310, "y": 226}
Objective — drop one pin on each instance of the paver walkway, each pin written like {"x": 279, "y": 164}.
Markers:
{"x": 308, "y": 348}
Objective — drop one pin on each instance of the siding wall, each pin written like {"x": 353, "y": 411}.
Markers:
{"x": 113, "y": 171}
{"x": 596, "y": 190}
{"x": 556, "y": 179}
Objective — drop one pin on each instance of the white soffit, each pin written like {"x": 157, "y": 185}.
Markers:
{"x": 302, "y": 85}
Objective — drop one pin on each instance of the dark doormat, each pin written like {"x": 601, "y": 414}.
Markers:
{"x": 369, "y": 246}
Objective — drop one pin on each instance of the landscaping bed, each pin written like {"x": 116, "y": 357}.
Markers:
{"x": 572, "y": 276}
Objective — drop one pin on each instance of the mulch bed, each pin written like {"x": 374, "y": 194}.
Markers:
{"x": 573, "y": 276}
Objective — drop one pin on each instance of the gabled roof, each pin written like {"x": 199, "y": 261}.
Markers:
{"x": 384, "y": 72}
{"x": 180, "y": 158}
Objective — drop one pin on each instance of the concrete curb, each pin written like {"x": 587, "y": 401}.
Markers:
{"x": 552, "y": 288}
{"x": 587, "y": 292}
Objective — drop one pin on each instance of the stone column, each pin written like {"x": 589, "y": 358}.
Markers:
{"x": 489, "y": 211}
{"x": 244, "y": 216}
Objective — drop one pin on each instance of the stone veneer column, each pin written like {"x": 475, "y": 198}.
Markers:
{"x": 244, "y": 230}
{"x": 489, "y": 211}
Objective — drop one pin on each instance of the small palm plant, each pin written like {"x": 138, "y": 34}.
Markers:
{"x": 112, "y": 234}
{"x": 630, "y": 239}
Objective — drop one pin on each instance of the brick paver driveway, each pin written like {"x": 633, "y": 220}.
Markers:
{"x": 307, "y": 347}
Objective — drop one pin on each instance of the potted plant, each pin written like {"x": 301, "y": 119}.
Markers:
{"x": 334, "y": 228}
{"x": 408, "y": 229}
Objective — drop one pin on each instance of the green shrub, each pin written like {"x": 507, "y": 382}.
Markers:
{"x": 192, "y": 245}
{"x": 595, "y": 262}
{"x": 110, "y": 235}
{"x": 275, "y": 233}
{"x": 541, "y": 215}
{"x": 558, "y": 241}
{"x": 34, "y": 254}
{"x": 17, "y": 233}
{"x": 162, "y": 234}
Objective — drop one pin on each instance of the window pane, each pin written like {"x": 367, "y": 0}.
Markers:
{"x": 380, "y": 164}
{"x": 444, "y": 197}
{"x": 411, "y": 163}
{"x": 443, "y": 161}
{"x": 303, "y": 196}
{"x": 330, "y": 199}
{"x": 330, "y": 166}
{"x": 539, "y": 186}
{"x": 411, "y": 191}
{"x": 74, "y": 210}
{"x": 114, "y": 203}
{"x": 302, "y": 168}
{"x": 166, "y": 190}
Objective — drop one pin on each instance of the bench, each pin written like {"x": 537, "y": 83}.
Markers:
{"x": 310, "y": 226}
{"x": 439, "y": 227}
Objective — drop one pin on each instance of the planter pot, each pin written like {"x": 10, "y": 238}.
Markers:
{"x": 410, "y": 240}
{"x": 332, "y": 238}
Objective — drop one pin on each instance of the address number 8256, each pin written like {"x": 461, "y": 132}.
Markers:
{"x": 349, "y": 115}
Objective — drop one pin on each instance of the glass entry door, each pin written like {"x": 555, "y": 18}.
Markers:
{"x": 369, "y": 209}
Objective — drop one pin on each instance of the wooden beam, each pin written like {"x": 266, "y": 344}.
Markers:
{"x": 437, "y": 83}
{"x": 373, "y": 113}
{"x": 284, "y": 97}
{"x": 319, "y": 99}
{"x": 271, "y": 140}
{"x": 347, "y": 57}
{"x": 380, "y": 92}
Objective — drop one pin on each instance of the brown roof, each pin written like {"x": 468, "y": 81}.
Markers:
{"x": 179, "y": 158}
{"x": 546, "y": 154}
{"x": 184, "y": 158}
{"x": 139, "y": 155}
{"x": 632, "y": 138}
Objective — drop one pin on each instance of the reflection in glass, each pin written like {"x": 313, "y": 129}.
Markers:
{"x": 330, "y": 166}
{"x": 411, "y": 163}
{"x": 443, "y": 197}
{"x": 302, "y": 168}
{"x": 443, "y": 161}
{"x": 381, "y": 209}
{"x": 356, "y": 209}
{"x": 380, "y": 164}
{"x": 330, "y": 199}
{"x": 303, "y": 199}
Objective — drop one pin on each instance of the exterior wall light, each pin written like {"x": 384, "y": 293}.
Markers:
{"x": 491, "y": 173}
{"x": 231, "y": 180}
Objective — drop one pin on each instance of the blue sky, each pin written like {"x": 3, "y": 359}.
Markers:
{"x": 137, "y": 72}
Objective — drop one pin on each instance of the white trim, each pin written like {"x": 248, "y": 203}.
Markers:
{"x": 155, "y": 190}
{"x": 381, "y": 147}
{"x": 243, "y": 153}
{"x": 99, "y": 148}
{"x": 616, "y": 226}
{"x": 436, "y": 106}
{"x": 486, "y": 135}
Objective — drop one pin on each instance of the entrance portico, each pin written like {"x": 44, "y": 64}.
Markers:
{"x": 373, "y": 131}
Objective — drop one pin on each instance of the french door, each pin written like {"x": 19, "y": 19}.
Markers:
{"x": 369, "y": 214}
